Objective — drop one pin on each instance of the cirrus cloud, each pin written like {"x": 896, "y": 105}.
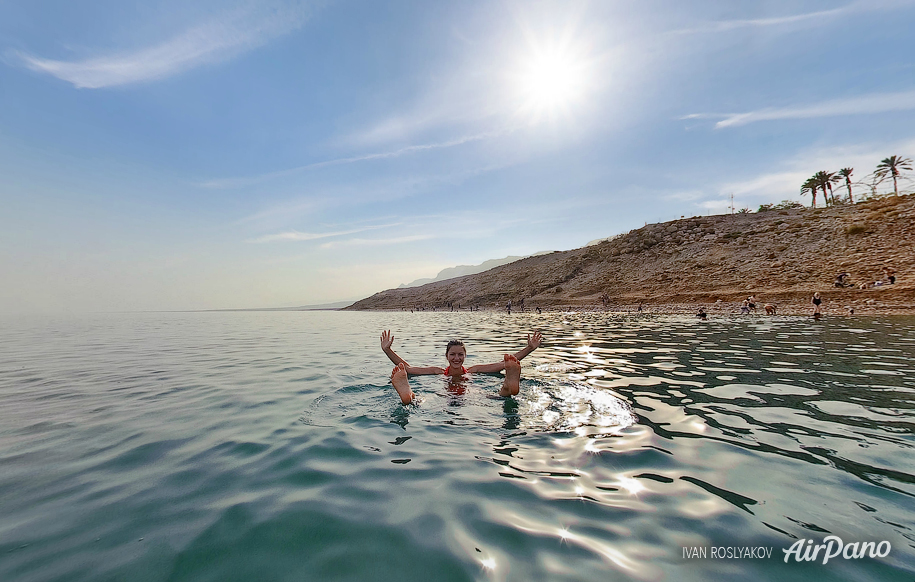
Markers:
{"x": 214, "y": 41}
{"x": 861, "y": 105}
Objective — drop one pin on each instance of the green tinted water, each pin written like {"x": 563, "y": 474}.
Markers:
{"x": 270, "y": 446}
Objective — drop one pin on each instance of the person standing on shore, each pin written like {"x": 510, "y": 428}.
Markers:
{"x": 816, "y": 304}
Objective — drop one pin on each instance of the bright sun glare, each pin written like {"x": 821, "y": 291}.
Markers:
{"x": 552, "y": 80}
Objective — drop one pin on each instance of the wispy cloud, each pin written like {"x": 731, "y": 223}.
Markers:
{"x": 376, "y": 241}
{"x": 726, "y": 25}
{"x": 818, "y": 18}
{"x": 240, "y": 182}
{"x": 312, "y": 201}
{"x": 863, "y": 105}
{"x": 458, "y": 100}
{"x": 462, "y": 226}
{"x": 296, "y": 236}
{"x": 770, "y": 187}
{"x": 781, "y": 183}
{"x": 211, "y": 42}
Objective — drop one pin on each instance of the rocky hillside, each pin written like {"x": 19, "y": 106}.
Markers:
{"x": 781, "y": 256}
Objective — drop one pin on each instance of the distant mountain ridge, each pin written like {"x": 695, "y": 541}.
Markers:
{"x": 462, "y": 270}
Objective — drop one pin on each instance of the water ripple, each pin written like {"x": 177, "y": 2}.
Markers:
{"x": 270, "y": 446}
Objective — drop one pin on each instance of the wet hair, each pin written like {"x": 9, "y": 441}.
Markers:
{"x": 452, "y": 343}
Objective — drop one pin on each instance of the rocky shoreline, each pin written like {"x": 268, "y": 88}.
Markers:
{"x": 780, "y": 256}
{"x": 717, "y": 309}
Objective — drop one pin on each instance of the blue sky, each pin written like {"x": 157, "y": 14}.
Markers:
{"x": 232, "y": 154}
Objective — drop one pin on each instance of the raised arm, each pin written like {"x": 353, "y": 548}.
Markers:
{"x": 387, "y": 340}
{"x": 533, "y": 342}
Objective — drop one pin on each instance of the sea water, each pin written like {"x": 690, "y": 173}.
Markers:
{"x": 270, "y": 446}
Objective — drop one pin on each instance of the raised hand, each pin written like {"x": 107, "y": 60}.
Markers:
{"x": 387, "y": 340}
{"x": 533, "y": 341}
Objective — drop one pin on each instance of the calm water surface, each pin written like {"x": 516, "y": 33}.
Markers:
{"x": 270, "y": 446}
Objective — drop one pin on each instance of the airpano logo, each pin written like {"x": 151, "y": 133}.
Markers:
{"x": 833, "y": 547}
{"x": 802, "y": 550}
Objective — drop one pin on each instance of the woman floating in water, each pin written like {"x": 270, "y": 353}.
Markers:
{"x": 455, "y": 352}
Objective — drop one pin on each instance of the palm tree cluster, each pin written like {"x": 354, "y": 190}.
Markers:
{"x": 822, "y": 180}
{"x": 892, "y": 166}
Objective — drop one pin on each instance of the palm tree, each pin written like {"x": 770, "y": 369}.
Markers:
{"x": 830, "y": 177}
{"x": 810, "y": 187}
{"x": 825, "y": 180}
{"x": 846, "y": 173}
{"x": 893, "y": 166}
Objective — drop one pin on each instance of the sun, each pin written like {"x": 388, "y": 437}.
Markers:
{"x": 551, "y": 80}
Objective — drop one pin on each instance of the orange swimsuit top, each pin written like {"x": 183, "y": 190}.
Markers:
{"x": 463, "y": 370}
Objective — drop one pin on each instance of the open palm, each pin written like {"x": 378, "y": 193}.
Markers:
{"x": 533, "y": 341}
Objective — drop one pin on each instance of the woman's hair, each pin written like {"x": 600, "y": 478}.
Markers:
{"x": 454, "y": 343}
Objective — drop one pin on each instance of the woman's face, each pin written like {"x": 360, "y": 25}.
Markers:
{"x": 456, "y": 355}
